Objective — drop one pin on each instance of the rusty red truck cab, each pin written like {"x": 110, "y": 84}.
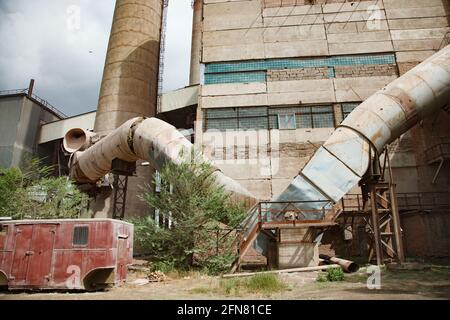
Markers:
{"x": 78, "y": 254}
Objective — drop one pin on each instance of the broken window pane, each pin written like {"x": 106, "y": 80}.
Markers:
{"x": 286, "y": 121}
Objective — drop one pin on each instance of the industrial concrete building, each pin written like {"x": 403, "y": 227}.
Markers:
{"x": 276, "y": 77}
{"x": 22, "y": 116}
{"x": 294, "y": 70}
{"x": 270, "y": 81}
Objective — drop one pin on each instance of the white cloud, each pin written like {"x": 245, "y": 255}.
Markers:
{"x": 67, "y": 62}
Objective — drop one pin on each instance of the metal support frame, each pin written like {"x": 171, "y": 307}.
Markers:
{"x": 120, "y": 185}
{"x": 384, "y": 223}
{"x": 121, "y": 171}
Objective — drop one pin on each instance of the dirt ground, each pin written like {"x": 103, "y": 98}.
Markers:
{"x": 433, "y": 282}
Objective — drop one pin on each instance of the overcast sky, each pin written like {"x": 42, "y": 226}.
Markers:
{"x": 41, "y": 39}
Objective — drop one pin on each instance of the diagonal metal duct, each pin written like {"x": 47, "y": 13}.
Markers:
{"x": 141, "y": 138}
{"x": 344, "y": 158}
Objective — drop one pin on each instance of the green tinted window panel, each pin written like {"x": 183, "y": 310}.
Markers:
{"x": 304, "y": 121}
{"x": 325, "y": 120}
{"x": 235, "y": 66}
{"x": 273, "y": 121}
{"x": 289, "y": 110}
{"x": 253, "y": 111}
{"x": 362, "y": 59}
{"x": 238, "y": 77}
{"x": 347, "y": 108}
{"x": 321, "y": 109}
{"x": 253, "y": 123}
{"x": 274, "y": 64}
{"x": 304, "y": 110}
{"x": 222, "y": 124}
{"x": 222, "y": 113}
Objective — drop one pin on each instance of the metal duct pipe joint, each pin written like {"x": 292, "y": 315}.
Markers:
{"x": 78, "y": 139}
{"x": 346, "y": 265}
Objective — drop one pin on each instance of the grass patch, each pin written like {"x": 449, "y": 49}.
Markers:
{"x": 260, "y": 283}
{"x": 359, "y": 277}
{"x": 433, "y": 274}
{"x": 265, "y": 284}
{"x": 200, "y": 290}
{"x": 163, "y": 266}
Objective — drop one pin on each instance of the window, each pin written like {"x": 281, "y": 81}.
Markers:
{"x": 322, "y": 117}
{"x": 306, "y": 117}
{"x": 236, "y": 118}
{"x": 80, "y": 236}
{"x": 347, "y": 108}
{"x": 286, "y": 121}
{"x": 283, "y": 118}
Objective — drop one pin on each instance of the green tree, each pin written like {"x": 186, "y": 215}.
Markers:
{"x": 32, "y": 193}
{"x": 10, "y": 181}
{"x": 191, "y": 198}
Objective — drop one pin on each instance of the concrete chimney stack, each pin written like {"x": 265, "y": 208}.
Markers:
{"x": 130, "y": 77}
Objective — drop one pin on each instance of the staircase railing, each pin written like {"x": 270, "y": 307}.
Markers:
{"x": 274, "y": 211}
{"x": 406, "y": 201}
{"x": 249, "y": 224}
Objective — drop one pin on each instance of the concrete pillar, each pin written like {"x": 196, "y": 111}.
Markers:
{"x": 130, "y": 77}
{"x": 196, "y": 46}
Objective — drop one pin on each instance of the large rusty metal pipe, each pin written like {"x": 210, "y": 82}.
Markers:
{"x": 344, "y": 158}
{"x": 346, "y": 265}
{"x": 149, "y": 139}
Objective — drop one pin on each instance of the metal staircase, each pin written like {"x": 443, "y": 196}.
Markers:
{"x": 266, "y": 216}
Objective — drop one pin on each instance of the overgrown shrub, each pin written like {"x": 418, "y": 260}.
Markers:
{"x": 190, "y": 197}
{"x": 31, "y": 193}
{"x": 163, "y": 266}
{"x": 219, "y": 264}
{"x": 332, "y": 274}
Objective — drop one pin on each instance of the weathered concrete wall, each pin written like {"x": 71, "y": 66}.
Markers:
{"x": 260, "y": 29}
{"x": 10, "y": 109}
{"x": 429, "y": 133}
{"x": 426, "y": 234}
{"x": 417, "y": 28}
{"x": 267, "y": 32}
{"x": 20, "y": 122}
